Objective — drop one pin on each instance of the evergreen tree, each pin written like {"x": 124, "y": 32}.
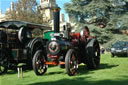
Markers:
{"x": 105, "y": 18}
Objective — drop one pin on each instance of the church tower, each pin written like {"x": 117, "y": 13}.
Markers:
{"x": 46, "y": 9}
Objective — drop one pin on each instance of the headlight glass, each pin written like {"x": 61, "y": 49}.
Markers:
{"x": 112, "y": 49}
{"x": 124, "y": 48}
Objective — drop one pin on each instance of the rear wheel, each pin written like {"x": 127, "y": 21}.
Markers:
{"x": 39, "y": 65}
{"x": 3, "y": 62}
{"x": 93, "y": 55}
{"x": 71, "y": 62}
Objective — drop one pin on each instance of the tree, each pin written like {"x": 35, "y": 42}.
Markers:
{"x": 25, "y": 10}
{"x": 104, "y": 17}
{"x": 97, "y": 11}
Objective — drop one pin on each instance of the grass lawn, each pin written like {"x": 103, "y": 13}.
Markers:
{"x": 112, "y": 71}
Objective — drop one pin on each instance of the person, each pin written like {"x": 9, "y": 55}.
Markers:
{"x": 102, "y": 50}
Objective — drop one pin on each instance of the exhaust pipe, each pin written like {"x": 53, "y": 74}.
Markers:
{"x": 56, "y": 19}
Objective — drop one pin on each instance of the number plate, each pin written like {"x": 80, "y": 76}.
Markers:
{"x": 118, "y": 50}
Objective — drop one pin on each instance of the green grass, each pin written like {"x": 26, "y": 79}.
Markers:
{"x": 112, "y": 71}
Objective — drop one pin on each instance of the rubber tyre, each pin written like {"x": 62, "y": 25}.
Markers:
{"x": 39, "y": 65}
{"x": 93, "y": 54}
{"x": 69, "y": 64}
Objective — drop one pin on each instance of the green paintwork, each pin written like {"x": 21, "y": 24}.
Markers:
{"x": 47, "y": 35}
{"x": 14, "y": 53}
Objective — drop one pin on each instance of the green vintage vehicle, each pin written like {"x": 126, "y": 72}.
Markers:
{"x": 17, "y": 43}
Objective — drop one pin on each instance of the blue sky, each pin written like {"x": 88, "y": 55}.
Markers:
{"x": 4, "y": 4}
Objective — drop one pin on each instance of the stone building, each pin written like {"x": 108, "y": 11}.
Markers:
{"x": 46, "y": 7}
{"x": 4, "y": 17}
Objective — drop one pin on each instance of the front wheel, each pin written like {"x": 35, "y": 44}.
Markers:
{"x": 39, "y": 65}
{"x": 71, "y": 62}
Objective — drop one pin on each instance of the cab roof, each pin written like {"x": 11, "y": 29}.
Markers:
{"x": 18, "y": 24}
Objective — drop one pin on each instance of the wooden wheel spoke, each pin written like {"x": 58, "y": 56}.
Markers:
{"x": 73, "y": 65}
{"x": 71, "y": 62}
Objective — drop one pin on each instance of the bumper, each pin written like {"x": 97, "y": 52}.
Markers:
{"x": 120, "y": 52}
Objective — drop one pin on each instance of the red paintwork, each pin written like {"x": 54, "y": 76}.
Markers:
{"x": 75, "y": 35}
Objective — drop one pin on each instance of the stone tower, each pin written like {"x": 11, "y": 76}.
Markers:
{"x": 12, "y": 6}
{"x": 46, "y": 9}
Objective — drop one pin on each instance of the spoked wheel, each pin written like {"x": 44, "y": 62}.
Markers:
{"x": 93, "y": 55}
{"x": 39, "y": 65}
{"x": 3, "y": 62}
{"x": 71, "y": 62}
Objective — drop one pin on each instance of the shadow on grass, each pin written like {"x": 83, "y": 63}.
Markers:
{"x": 10, "y": 72}
{"x": 120, "y": 56}
{"x": 107, "y": 66}
{"x": 84, "y": 81}
{"x": 84, "y": 70}
{"x": 13, "y": 70}
{"x": 52, "y": 73}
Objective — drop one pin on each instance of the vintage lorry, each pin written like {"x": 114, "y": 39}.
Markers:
{"x": 17, "y": 43}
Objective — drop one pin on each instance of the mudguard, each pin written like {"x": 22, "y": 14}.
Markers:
{"x": 34, "y": 45}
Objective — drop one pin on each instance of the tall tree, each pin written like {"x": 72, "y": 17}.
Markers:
{"x": 25, "y": 10}
{"x": 96, "y": 11}
{"x": 106, "y": 14}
